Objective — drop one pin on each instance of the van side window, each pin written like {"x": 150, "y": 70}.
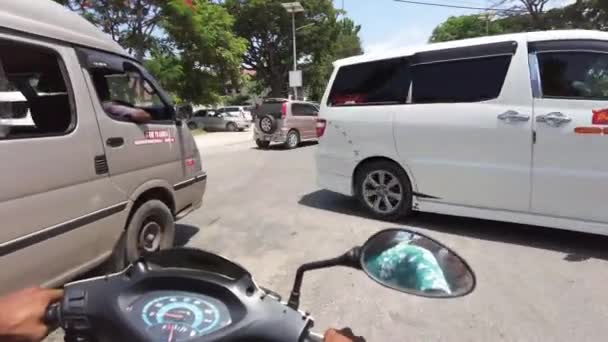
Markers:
{"x": 383, "y": 82}
{"x": 34, "y": 99}
{"x": 574, "y": 75}
{"x": 470, "y": 80}
{"x": 131, "y": 89}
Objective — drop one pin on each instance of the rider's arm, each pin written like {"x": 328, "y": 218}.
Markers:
{"x": 22, "y": 314}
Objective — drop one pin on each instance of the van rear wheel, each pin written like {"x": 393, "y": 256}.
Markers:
{"x": 151, "y": 228}
{"x": 384, "y": 190}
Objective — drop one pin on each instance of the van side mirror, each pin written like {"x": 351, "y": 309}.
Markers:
{"x": 183, "y": 112}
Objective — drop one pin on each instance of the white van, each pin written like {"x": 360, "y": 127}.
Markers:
{"x": 79, "y": 183}
{"x": 510, "y": 128}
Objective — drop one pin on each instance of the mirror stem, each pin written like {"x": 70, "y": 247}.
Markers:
{"x": 348, "y": 259}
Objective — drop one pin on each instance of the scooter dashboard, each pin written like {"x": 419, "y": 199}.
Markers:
{"x": 178, "y": 316}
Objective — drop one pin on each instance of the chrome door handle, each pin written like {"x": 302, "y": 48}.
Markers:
{"x": 513, "y": 116}
{"x": 554, "y": 119}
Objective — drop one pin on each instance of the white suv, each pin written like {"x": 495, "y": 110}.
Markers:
{"x": 511, "y": 128}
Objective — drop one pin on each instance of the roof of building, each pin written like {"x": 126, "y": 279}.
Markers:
{"x": 528, "y": 36}
{"x": 48, "y": 19}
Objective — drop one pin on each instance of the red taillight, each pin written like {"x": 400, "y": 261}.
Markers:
{"x": 321, "y": 125}
{"x": 283, "y": 110}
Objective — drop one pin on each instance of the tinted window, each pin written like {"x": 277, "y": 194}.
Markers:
{"x": 34, "y": 99}
{"x": 381, "y": 82}
{"x": 582, "y": 75}
{"x": 130, "y": 89}
{"x": 302, "y": 109}
{"x": 471, "y": 80}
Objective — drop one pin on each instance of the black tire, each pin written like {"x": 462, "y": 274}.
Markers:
{"x": 192, "y": 125}
{"x": 262, "y": 144}
{"x": 293, "y": 140}
{"x": 146, "y": 215}
{"x": 231, "y": 127}
{"x": 268, "y": 124}
{"x": 402, "y": 208}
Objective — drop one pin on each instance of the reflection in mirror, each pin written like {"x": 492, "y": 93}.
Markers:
{"x": 413, "y": 263}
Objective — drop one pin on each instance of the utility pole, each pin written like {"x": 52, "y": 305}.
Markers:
{"x": 293, "y": 8}
{"x": 295, "y": 54}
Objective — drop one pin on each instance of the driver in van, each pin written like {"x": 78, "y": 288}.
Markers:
{"x": 22, "y": 317}
{"x": 117, "y": 109}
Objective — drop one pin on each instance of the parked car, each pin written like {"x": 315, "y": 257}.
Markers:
{"x": 212, "y": 120}
{"x": 84, "y": 185}
{"x": 510, "y": 128}
{"x": 285, "y": 121}
{"x": 241, "y": 110}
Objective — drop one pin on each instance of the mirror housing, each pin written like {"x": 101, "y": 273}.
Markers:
{"x": 184, "y": 112}
{"x": 410, "y": 262}
{"x": 401, "y": 260}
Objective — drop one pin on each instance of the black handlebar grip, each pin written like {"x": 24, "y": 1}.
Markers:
{"x": 52, "y": 315}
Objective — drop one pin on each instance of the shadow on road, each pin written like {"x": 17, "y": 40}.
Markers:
{"x": 279, "y": 147}
{"x": 183, "y": 234}
{"x": 577, "y": 246}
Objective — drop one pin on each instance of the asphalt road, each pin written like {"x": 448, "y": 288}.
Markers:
{"x": 264, "y": 210}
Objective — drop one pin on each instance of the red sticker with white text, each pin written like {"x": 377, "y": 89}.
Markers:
{"x": 156, "y": 137}
{"x": 600, "y": 117}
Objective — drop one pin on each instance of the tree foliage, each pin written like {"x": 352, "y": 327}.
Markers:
{"x": 268, "y": 30}
{"x": 466, "y": 26}
{"x": 583, "y": 14}
{"x": 189, "y": 45}
{"x": 131, "y": 23}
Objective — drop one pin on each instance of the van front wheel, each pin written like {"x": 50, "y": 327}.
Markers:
{"x": 384, "y": 190}
{"x": 151, "y": 228}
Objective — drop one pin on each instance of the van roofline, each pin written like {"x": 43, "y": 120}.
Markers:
{"x": 526, "y": 36}
{"x": 45, "y": 18}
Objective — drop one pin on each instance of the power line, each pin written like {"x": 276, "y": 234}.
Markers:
{"x": 461, "y": 7}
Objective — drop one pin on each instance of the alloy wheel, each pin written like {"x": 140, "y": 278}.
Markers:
{"x": 382, "y": 191}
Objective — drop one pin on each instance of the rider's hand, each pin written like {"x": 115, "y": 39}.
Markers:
{"x": 22, "y": 314}
{"x": 344, "y": 335}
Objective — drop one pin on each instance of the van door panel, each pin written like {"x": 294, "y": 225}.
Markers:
{"x": 570, "y": 171}
{"x": 150, "y": 151}
{"x": 463, "y": 153}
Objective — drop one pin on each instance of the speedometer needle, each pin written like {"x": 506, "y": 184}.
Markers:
{"x": 173, "y": 315}
{"x": 171, "y": 333}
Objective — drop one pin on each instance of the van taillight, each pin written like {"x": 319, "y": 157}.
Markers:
{"x": 321, "y": 124}
{"x": 283, "y": 110}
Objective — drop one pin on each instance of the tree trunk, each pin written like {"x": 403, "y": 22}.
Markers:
{"x": 277, "y": 86}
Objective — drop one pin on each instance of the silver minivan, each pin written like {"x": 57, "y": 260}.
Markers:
{"x": 81, "y": 185}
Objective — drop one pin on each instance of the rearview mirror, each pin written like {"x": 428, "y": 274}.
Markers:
{"x": 184, "y": 112}
{"x": 413, "y": 263}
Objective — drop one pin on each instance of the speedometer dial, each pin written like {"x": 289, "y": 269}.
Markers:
{"x": 179, "y": 317}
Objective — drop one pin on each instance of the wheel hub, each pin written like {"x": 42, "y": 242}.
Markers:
{"x": 150, "y": 236}
{"x": 382, "y": 191}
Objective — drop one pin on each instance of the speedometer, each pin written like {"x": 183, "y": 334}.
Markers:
{"x": 177, "y": 317}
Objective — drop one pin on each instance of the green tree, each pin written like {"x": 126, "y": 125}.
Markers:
{"x": 131, "y": 23}
{"x": 188, "y": 45}
{"x": 317, "y": 72}
{"x": 466, "y": 26}
{"x": 267, "y": 28}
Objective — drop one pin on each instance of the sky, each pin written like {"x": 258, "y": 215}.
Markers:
{"x": 387, "y": 24}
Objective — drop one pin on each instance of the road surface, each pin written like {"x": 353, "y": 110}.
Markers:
{"x": 264, "y": 209}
